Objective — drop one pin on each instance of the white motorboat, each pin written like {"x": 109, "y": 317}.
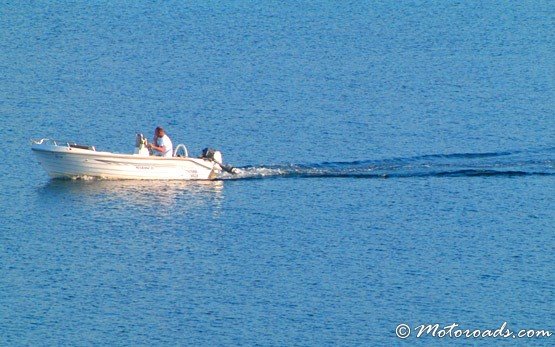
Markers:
{"x": 71, "y": 160}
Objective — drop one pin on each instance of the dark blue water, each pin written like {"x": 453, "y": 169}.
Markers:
{"x": 398, "y": 166}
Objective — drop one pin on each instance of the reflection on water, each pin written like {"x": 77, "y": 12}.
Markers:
{"x": 171, "y": 195}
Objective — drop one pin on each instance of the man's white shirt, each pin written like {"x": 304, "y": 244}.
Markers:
{"x": 166, "y": 142}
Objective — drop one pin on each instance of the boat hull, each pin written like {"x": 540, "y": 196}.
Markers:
{"x": 68, "y": 162}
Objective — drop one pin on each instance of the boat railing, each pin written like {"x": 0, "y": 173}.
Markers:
{"x": 182, "y": 147}
{"x": 62, "y": 144}
{"x": 46, "y": 141}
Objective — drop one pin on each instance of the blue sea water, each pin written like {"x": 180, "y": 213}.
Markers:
{"x": 398, "y": 166}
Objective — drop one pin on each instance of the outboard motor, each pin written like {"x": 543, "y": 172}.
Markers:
{"x": 212, "y": 154}
{"x": 140, "y": 145}
{"x": 207, "y": 153}
{"x": 216, "y": 156}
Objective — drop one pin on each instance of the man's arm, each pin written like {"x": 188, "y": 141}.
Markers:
{"x": 161, "y": 149}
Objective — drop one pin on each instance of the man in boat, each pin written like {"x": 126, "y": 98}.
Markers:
{"x": 161, "y": 144}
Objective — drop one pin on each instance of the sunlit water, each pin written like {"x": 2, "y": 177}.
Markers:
{"x": 397, "y": 165}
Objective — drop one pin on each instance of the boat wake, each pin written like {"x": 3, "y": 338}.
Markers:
{"x": 512, "y": 163}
